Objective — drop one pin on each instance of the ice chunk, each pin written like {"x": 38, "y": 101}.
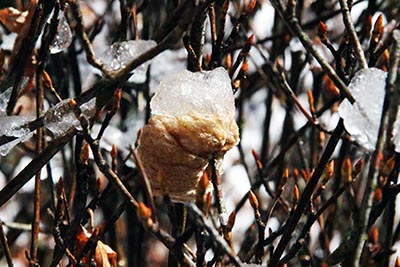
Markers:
{"x": 118, "y": 55}
{"x": 63, "y": 38}
{"x": 61, "y": 117}
{"x": 14, "y": 126}
{"x": 4, "y": 98}
{"x": 362, "y": 119}
{"x": 206, "y": 93}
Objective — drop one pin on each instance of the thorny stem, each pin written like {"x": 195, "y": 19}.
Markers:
{"x": 306, "y": 195}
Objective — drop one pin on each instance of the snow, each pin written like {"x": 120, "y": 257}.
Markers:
{"x": 118, "y": 55}
{"x": 207, "y": 93}
{"x": 362, "y": 119}
{"x": 63, "y": 38}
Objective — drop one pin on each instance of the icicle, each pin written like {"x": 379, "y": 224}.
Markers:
{"x": 4, "y": 98}
{"x": 63, "y": 38}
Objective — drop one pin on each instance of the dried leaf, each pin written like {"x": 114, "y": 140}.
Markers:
{"x": 105, "y": 256}
{"x": 12, "y": 18}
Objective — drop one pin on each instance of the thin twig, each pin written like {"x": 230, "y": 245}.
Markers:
{"x": 306, "y": 195}
{"x": 295, "y": 27}
{"x": 221, "y": 244}
{"x": 4, "y": 243}
{"x": 361, "y": 228}
{"x": 352, "y": 33}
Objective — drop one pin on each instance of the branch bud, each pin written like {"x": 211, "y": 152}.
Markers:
{"x": 253, "y": 200}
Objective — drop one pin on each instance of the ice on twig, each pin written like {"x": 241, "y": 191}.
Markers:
{"x": 63, "y": 37}
{"x": 61, "y": 117}
{"x": 192, "y": 121}
{"x": 6, "y": 148}
{"x": 14, "y": 126}
{"x": 118, "y": 55}
{"x": 362, "y": 119}
{"x": 4, "y": 98}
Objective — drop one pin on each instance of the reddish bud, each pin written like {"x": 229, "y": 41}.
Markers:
{"x": 373, "y": 235}
{"x": 228, "y": 60}
{"x": 311, "y": 101}
{"x": 257, "y": 159}
{"x": 85, "y": 154}
{"x": 397, "y": 262}
{"x": 251, "y": 6}
{"x": 296, "y": 194}
{"x": 245, "y": 66}
{"x": 231, "y": 220}
{"x": 331, "y": 90}
{"x": 114, "y": 151}
{"x": 47, "y": 80}
{"x": 377, "y": 195}
{"x": 329, "y": 169}
{"x": 253, "y": 200}
{"x": 285, "y": 177}
{"x": 359, "y": 166}
{"x": 208, "y": 58}
{"x": 377, "y": 32}
{"x": 347, "y": 171}
{"x": 322, "y": 31}
{"x": 388, "y": 166}
{"x": 144, "y": 212}
{"x": 73, "y": 103}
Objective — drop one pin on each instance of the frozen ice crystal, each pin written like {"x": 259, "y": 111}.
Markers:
{"x": 362, "y": 119}
{"x": 63, "y": 38}
{"x": 14, "y": 126}
{"x": 206, "y": 93}
{"x": 61, "y": 117}
{"x": 118, "y": 55}
{"x": 4, "y": 97}
{"x": 6, "y": 148}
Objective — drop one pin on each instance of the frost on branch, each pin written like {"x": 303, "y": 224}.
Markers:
{"x": 362, "y": 119}
{"x": 192, "y": 120}
{"x": 118, "y": 55}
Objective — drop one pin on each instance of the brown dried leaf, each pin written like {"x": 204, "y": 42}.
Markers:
{"x": 12, "y": 18}
{"x": 105, "y": 256}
